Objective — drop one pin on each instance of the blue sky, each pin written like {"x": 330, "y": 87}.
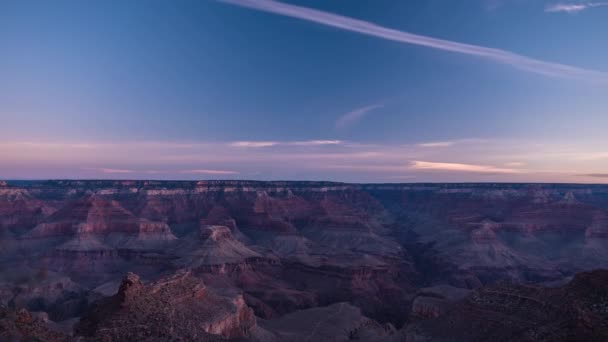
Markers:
{"x": 358, "y": 91}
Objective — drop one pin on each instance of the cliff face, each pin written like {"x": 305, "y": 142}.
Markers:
{"x": 292, "y": 246}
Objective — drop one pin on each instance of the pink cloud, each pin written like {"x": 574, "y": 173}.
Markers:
{"x": 437, "y": 144}
{"x": 254, "y": 144}
{"x": 457, "y": 167}
{"x": 209, "y": 172}
{"x": 108, "y": 170}
{"x": 315, "y": 142}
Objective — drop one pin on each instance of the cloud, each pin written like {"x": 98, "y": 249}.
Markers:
{"x": 46, "y": 145}
{"x": 573, "y": 7}
{"x": 469, "y": 160}
{"x": 356, "y": 115}
{"x": 401, "y": 177}
{"x": 209, "y": 172}
{"x": 596, "y": 175}
{"x": 107, "y": 170}
{"x": 364, "y": 27}
{"x": 315, "y": 142}
{"x": 437, "y": 144}
{"x": 492, "y": 5}
{"x": 450, "y": 143}
{"x": 254, "y": 144}
{"x": 196, "y": 171}
{"x": 424, "y": 165}
{"x": 258, "y": 144}
{"x": 364, "y": 167}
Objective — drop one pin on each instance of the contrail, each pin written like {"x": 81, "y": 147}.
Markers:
{"x": 371, "y": 29}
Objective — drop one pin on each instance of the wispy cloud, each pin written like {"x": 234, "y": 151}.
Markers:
{"x": 596, "y": 175}
{"x": 401, "y": 177}
{"x": 209, "y": 172}
{"x": 125, "y": 171}
{"x": 46, "y": 145}
{"x": 437, "y": 144}
{"x": 258, "y": 144}
{"x": 424, "y": 165}
{"x": 254, "y": 143}
{"x": 465, "y": 160}
{"x": 573, "y": 7}
{"x": 315, "y": 142}
{"x": 452, "y": 143}
{"x": 107, "y": 170}
{"x": 371, "y": 29}
{"x": 355, "y": 115}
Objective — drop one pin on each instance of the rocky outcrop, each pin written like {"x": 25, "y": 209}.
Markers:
{"x": 214, "y": 246}
{"x": 178, "y": 307}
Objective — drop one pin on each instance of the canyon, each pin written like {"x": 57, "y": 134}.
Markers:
{"x": 302, "y": 261}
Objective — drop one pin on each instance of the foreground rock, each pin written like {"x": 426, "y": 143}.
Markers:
{"x": 21, "y": 325}
{"x": 575, "y": 312}
{"x": 180, "y": 307}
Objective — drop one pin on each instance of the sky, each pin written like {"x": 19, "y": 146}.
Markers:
{"x": 357, "y": 91}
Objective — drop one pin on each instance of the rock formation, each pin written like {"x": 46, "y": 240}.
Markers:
{"x": 180, "y": 307}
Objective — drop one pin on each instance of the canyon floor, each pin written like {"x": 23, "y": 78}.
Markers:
{"x": 302, "y": 261}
